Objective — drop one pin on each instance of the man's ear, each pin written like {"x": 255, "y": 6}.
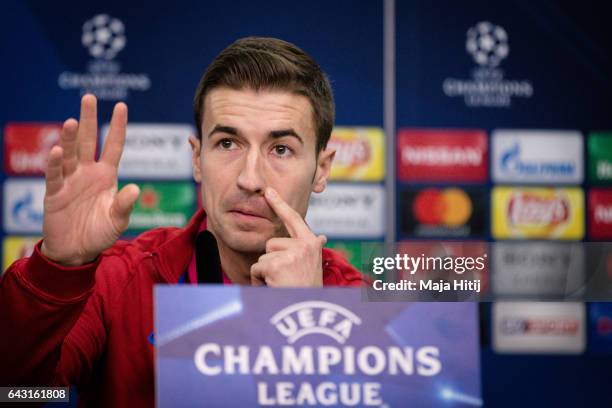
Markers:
{"x": 324, "y": 163}
{"x": 196, "y": 148}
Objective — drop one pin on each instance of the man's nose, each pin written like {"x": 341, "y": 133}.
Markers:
{"x": 251, "y": 177}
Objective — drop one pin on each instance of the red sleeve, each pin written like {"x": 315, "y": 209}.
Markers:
{"x": 40, "y": 303}
{"x": 337, "y": 271}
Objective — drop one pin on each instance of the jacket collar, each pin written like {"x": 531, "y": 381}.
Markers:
{"x": 173, "y": 256}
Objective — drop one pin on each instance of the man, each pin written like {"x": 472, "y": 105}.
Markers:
{"x": 79, "y": 310}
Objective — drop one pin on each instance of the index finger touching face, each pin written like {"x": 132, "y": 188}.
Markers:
{"x": 292, "y": 220}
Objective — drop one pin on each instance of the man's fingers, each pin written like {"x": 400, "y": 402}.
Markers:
{"x": 88, "y": 128}
{"x": 115, "y": 140}
{"x": 267, "y": 266}
{"x": 257, "y": 278}
{"x": 293, "y": 221}
{"x": 68, "y": 142}
{"x": 283, "y": 244}
{"x": 278, "y": 244}
{"x": 122, "y": 206}
{"x": 53, "y": 175}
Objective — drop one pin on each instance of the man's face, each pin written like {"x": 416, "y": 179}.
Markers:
{"x": 253, "y": 140}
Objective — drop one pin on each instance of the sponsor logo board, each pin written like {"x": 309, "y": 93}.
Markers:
{"x": 162, "y": 204}
{"x": 539, "y": 327}
{"x": 445, "y": 212}
{"x": 537, "y": 213}
{"x": 600, "y": 213}
{"x": 533, "y": 269}
{"x": 358, "y": 253}
{"x": 537, "y": 156}
{"x": 23, "y": 205}
{"x": 360, "y": 154}
{"x": 14, "y": 248}
{"x": 442, "y": 155}
{"x": 27, "y": 145}
{"x": 159, "y": 151}
{"x": 348, "y": 211}
{"x": 600, "y": 157}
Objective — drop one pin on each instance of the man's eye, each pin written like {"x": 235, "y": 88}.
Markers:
{"x": 226, "y": 144}
{"x": 282, "y": 150}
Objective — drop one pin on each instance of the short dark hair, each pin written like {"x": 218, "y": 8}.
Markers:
{"x": 269, "y": 63}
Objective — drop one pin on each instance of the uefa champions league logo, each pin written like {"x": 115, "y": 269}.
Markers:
{"x": 488, "y": 86}
{"x": 103, "y": 36}
{"x": 487, "y": 43}
{"x": 315, "y": 317}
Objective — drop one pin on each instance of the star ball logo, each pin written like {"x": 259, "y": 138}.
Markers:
{"x": 104, "y": 36}
{"x": 488, "y": 45}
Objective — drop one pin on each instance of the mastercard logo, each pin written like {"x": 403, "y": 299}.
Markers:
{"x": 450, "y": 207}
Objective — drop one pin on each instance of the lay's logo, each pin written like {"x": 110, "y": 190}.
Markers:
{"x": 540, "y": 213}
{"x": 532, "y": 209}
{"x": 350, "y": 152}
{"x": 360, "y": 154}
{"x": 315, "y": 317}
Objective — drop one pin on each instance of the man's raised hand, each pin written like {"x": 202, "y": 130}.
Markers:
{"x": 294, "y": 261}
{"x": 84, "y": 214}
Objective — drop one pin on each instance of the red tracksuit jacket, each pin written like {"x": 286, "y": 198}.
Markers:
{"x": 89, "y": 326}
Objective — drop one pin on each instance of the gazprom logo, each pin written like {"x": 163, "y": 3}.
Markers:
{"x": 512, "y": 162}
{"x": 315, "y": 317}
{"x": 537, "y": 156}
{"x": 23, "y": 205}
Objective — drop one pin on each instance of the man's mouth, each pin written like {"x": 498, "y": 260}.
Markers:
{"x": 246, "y": 213}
